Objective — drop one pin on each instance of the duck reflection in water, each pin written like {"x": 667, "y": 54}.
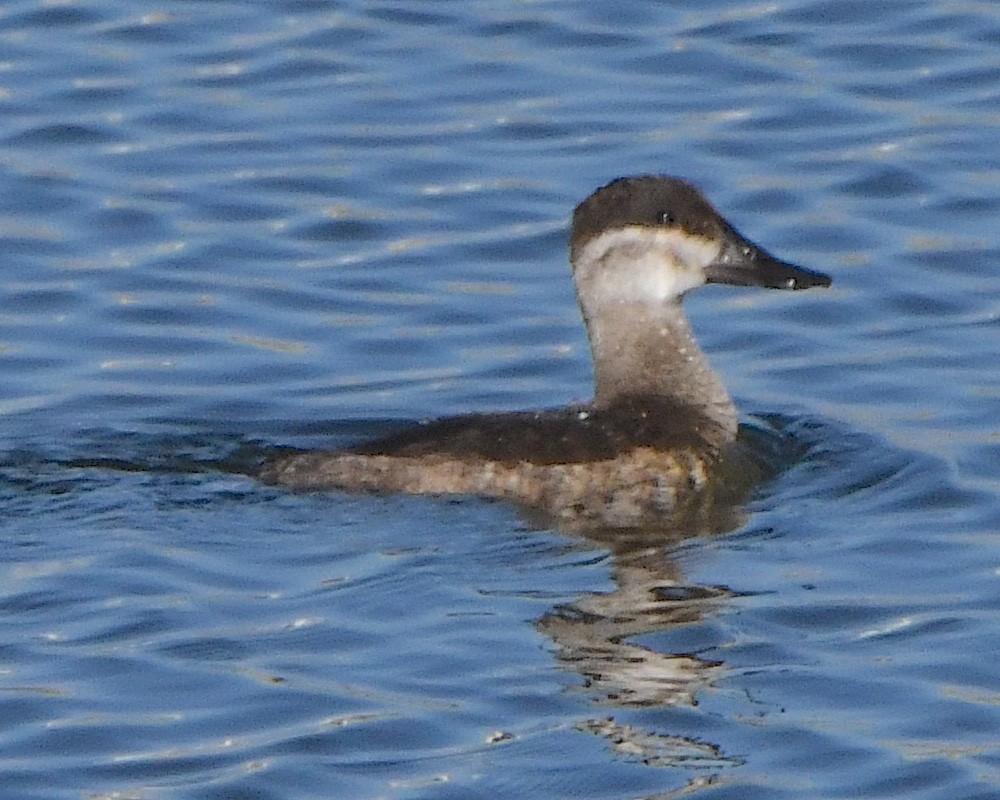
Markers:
{"x": 654, "y": 458}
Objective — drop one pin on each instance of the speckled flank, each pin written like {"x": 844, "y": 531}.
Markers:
{"x": 637, "y": 488}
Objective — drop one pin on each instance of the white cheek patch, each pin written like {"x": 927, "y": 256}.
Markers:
{"x": 639, "y": 264}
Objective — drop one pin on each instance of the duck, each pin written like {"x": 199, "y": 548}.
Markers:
{"x": 645, "y": 449}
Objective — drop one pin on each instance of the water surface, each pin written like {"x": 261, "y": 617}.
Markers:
{"x": 232, "y": 227}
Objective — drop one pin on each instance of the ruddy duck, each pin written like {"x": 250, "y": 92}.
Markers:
{"x": 661, "y": 420}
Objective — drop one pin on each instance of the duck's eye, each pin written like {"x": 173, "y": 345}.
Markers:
{"x": 666, "y": 218}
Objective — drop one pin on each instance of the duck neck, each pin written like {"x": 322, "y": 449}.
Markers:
{"x": 649, "y": 349}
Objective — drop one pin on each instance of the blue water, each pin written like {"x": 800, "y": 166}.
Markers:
{"x": 229, "y": 226}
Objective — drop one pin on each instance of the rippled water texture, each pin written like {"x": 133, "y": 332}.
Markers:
{"x": 228, "y": 227}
